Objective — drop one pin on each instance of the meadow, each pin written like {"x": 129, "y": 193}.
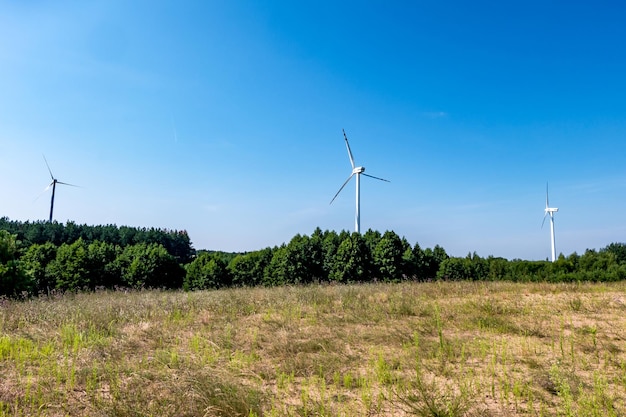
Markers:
{"x": 407, "y": 349}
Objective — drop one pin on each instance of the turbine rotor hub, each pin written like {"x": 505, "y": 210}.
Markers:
{"x": 358, "y": 170}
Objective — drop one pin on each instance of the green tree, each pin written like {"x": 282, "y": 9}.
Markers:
{"x": 35, "y": 260}
{"x": 524, "y": 271}
{"x": 562, "y": 269}
{"x": 301, "y": 261}
{"x": 454, "y": 269}
{"x": 417, "y": 263}
{"x": 372, "y": 237}
{"x": 249, "y": 269}
{"x": 330, "y": 243}
{"x": 315, "y": 253}
{"x": 479, "y": 267}
{"x": 389, "y": 257}
{"x": 618, "y": 250}
{"x": 149, "y": 265}
{"x": 353, "y": 260}
{"x": 498, "y": 269}
{"x": 206, "y": 271}
{"x": 298, "y": 260}
{"x": 439, "y": 253}
{"x": 13, "y": 279}
{"x": 276, "y": 272}
{"x": 69, "y": 269}
{"x": 71, "y": 232}
{"x": 34, "y": 234}
{"x": 432, "y": 259}
{"x": 471, "y": 268}
{"x": 101, "y": 268}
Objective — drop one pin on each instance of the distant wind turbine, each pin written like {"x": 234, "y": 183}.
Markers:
{"x": 53, "y": 184}
{"x": 550, "y": 210}
{"x": 358, "y": 171}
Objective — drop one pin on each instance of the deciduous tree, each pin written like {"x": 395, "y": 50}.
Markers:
{"x": 13, "y": 279}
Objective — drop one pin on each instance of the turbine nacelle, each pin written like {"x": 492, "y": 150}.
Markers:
{"x": 551, "y": 210}
{"x": 358, "y": 170}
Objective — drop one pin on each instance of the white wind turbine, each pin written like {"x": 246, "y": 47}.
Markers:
{"x": 53, "y": 184}
{"x": 358, "y": 171}
{"x": 550, "y": 210}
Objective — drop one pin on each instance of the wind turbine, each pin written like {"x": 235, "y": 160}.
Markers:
{"x": 356, "y": 170}
{"x": 550, "y": 210}
{"x": 53, "y": 184}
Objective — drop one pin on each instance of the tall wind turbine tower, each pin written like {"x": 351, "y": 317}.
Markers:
{"x": 53, "y": 184}
{"x": 550, "y": 210}
{"x": 358, "y": 171}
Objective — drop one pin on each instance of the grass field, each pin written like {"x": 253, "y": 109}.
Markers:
{"x": 423, "y": 349}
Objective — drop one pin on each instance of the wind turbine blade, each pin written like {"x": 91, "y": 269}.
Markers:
{"x": 371, "y": 176}
{"x": 348, "y": 146}
{"x": 344, "y": 184}
{"x": 43, "y": 192}
{"x": 49, "y": 170}
{"x": 64, "y": 183}
{"x": 544, "y": 219}
{"x": 547, "y": 203}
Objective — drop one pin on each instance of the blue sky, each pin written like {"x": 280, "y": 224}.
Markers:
{"x": 224, "y": 118}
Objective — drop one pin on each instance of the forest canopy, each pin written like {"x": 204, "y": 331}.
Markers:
{"x": 43, "y": 257}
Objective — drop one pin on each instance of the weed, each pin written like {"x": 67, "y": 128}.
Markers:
{"x": 563, "y": 389}
{"x": 217, "y": 394}
{"x": 576, "y": 304}
{"x": 428, "y": 399}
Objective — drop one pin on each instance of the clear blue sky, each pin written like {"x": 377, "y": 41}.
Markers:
{"x": 224, "y": 118}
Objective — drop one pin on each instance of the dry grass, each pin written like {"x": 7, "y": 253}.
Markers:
{"x": 424, "y": 349}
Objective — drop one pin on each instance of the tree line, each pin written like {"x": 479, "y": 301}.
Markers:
{"x": 39, "y": 257}
{"x": 175, "y": 242}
